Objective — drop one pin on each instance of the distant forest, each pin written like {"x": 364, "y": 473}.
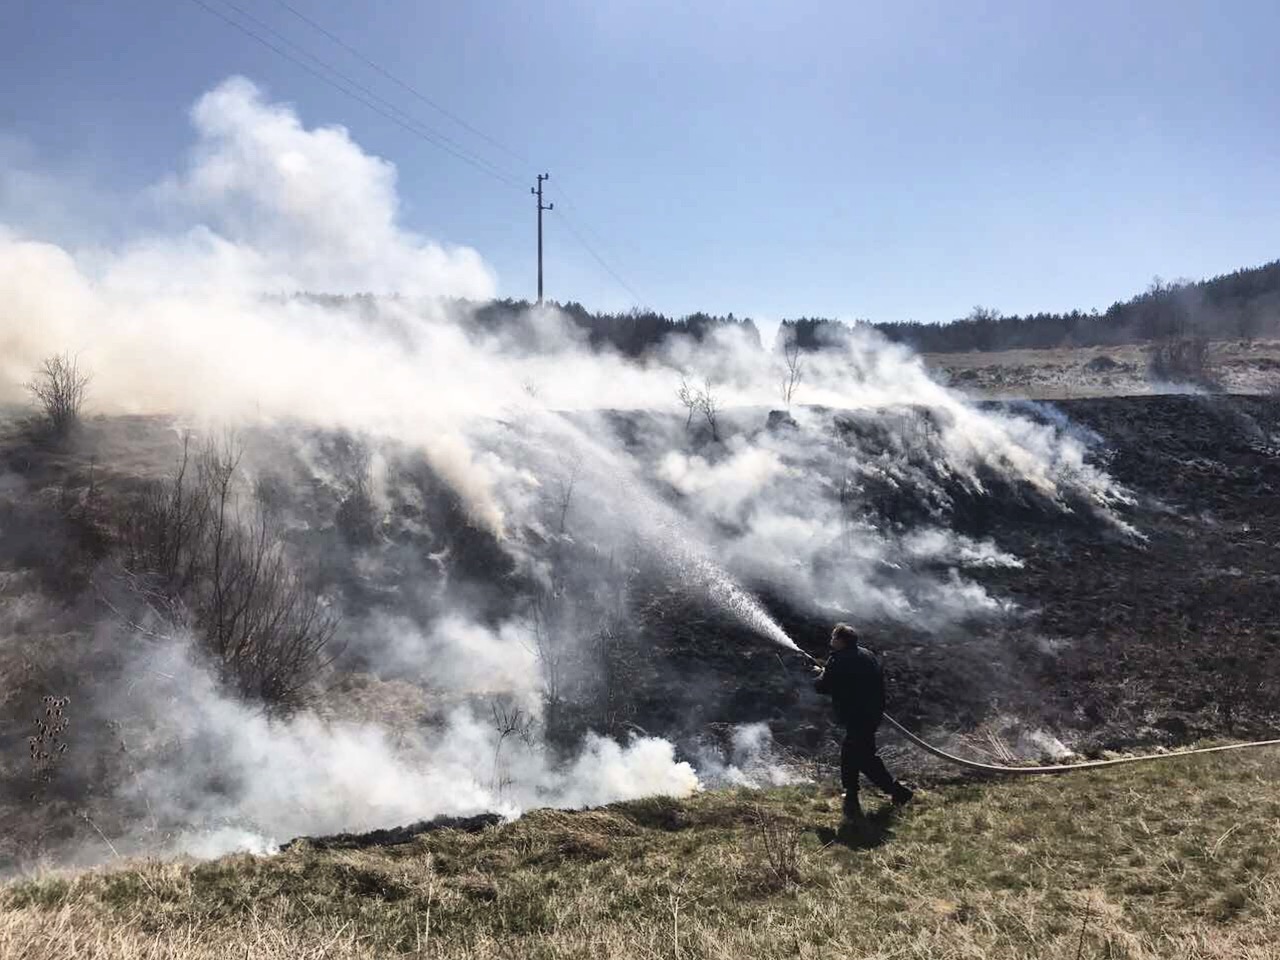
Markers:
{"x": 1243, "y": 305}
{"x": 633, "y": 333}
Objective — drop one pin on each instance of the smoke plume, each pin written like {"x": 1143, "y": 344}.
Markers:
{"x": 578, "y": 465}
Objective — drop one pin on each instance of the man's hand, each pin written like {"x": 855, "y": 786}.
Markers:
{"x": 817, "y": 668}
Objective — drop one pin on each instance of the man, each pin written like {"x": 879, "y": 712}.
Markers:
{"x": 855, "y": 684}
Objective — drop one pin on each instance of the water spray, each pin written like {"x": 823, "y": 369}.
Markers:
{"x": 664, "y": 527}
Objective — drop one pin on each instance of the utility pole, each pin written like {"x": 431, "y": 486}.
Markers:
{"x": 550, "y": 206}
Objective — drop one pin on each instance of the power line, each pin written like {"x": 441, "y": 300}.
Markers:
{"x": 567, "y": 200}
{"x": 573, "y": 231}
{"x": 354, "y": 90}
{"x": 380, "y": 105}
{"x": 374, "y": 65}
{"x": 431, "y": 133}
{"x": 582, "y": 241}
{"x": 401, "y": 83}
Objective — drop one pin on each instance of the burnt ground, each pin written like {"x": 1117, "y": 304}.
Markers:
{"x": 1119, "y": 643}
{"x": 1180, "y": 634}
{"x": 394, "y": 836}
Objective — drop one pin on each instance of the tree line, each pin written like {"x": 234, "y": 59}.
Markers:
{"x": 632, "y": 333}
{"x": 1242, "y": 305}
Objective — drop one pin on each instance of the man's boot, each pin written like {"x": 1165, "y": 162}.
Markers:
{"x": 854, "y": 822}
{"x": 901, "y": 794}
{"x": 853, "y": 815}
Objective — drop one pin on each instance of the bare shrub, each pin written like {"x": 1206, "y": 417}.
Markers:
{"x": 509, "y": 722}
{"x": 778, "y": 841}
{"x": 547, "y": 622}
{"x": 795, "y": 370}
{"x": 1181, "y": 359}
{"x": 49, "y": 742}
{"x": 709, "y": 404}
{"x": 701, "y": 400}
{"x": 688, "y": 397}
{"x": 565, "y": 482}
{"x": 59, "y": 388}
{"x": 200, "y": 556}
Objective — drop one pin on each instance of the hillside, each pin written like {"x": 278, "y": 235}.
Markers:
{"x": 1110, "y": 640}
{"x": 1175, "y": 859}
{"x": 1100, "y": 640}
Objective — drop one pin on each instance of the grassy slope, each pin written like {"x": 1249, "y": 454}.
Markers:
{"x": 1176, "y": 859}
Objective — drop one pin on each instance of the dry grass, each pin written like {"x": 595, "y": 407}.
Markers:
{"x": 1064, "y": 372}
{"x": 1173, "y": 860}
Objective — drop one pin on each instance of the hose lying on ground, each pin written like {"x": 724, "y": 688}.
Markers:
{"x": 1065, "y": 767}
{"x": 1057, "y": 767}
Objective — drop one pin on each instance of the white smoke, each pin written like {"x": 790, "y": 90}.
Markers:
{"x": 459, "y": 654}
{"x": 176, "y": 323}
{"x": 196, "y": 318}
{"x": 234, "y": 778}
{"x": 749, "y": 759}
{"x": 287, "y": 208}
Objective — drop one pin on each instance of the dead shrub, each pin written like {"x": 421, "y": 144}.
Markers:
{"x": 702, "y": 400}
{"x": 49, "y": 742}
{"x": 59, "y": 388}
{"x": 778, "y": 841}
{"x": 795, "y": 369}
{"x": 199, "y": 556}
{"x": 509, "y": 722}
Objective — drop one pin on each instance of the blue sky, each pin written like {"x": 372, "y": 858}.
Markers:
{"x": 894, "y": 161}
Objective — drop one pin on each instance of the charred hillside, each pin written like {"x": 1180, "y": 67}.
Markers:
{"x": 998, "y": 601}
{"x": 1106, "y": 638}
{"x": 1180, "y": 634}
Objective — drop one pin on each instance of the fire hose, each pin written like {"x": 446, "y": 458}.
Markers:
{"x": 1065, "y": 767}
{"x": 1057, "y": 767}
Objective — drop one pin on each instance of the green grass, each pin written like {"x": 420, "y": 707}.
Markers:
{"x": 1176, "y": 859}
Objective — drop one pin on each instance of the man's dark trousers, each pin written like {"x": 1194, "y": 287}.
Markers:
{"x": 858, "y": 755}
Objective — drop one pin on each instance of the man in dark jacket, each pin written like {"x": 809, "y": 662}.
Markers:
{"x": 855, "y": 684}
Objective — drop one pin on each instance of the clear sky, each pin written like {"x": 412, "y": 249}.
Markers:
{"x": 889, "y": 160}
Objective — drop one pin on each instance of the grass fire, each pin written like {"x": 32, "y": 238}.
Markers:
{"x": 350, "y": 607}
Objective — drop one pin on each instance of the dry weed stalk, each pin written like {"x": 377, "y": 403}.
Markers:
{"x": 779, "y": 842}
{"x": 49, "y": 742}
